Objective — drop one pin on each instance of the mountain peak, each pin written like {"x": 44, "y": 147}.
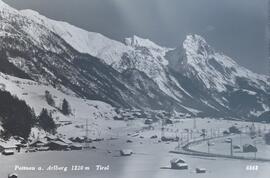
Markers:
{"x": 136, "y": 41}
{"x": 195, "y": 44}
{"x": 195, "y": 37}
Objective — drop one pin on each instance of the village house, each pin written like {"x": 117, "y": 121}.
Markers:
{"x": 66, "y": 141}
{"x": 249, "y": 148}
{"x": 49, "y": 138}
{"x": 38, "y": 143}
{"x": 7, "y": 149}
{"x": 126, "y": 152}
{"x": 79, "y": 139}
{"x": 148, "y": 121}
{"x": 169, "y": 139}
{"x": 178, "y": 163}
{"x": 168, "y": 121}
{"x": 76, "y": 146}
{"x": 57, "y": 145}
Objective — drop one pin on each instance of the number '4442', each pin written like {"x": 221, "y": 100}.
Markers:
{"x": 252, "y": 167}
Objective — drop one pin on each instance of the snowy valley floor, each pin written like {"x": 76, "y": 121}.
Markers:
{"x": 147, "y": 161}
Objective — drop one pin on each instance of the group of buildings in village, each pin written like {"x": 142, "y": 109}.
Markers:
{"x": 54, "y": 143}
{"x": 45, "y": 144}
{"x": 132, "y": 114}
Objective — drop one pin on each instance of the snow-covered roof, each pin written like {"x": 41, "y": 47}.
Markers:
{"x": 7, "y": 145}
{"x": 59, "y": 143}
{"x": 38, "y": 141}
{"x": 64, "y": 140}
{"x": 177, "y": 160}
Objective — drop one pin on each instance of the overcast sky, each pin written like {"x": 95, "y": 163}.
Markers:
{"x": 235, "y": 27}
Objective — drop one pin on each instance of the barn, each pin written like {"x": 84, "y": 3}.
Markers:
{"x": 168, "y": 121}
{"x": 75, "y": 146}
{"x": 50, "y": 138}
{"x": 148, "y": 121}
{"x": 126, "y": 152}
{"x": 7, "y": 149}
{"x": 66, "y": 141}
{"x": 57, "y": 145}
{"x": 178, "y": 163}
{"x": 38, "y": 143}
{"x": 249, "y": 148}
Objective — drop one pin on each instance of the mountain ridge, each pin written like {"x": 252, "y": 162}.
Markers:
{"x": 134, "y": 73}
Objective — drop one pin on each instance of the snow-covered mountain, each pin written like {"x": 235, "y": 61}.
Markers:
{"x": 217, "y": 80}
{"x": 137, "y": 72}
{"x": 196, "y": 58}
{"x": 32, "y": 50}
{"x": 135, "y": 52}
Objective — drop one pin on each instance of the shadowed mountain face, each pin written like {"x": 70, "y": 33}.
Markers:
{"x": 45, "y": 57}
{"x": 217, "y": 80}
{"x": 191, "y": 78}
{"x": 85, "y": 75}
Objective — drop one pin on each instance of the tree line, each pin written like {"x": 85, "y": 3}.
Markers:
{"x": 17, "y": 118}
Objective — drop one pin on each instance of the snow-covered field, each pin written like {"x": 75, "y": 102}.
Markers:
{"x": 99, "y": 114}
{"x": 219, "y": 146}
{"x": 147, "y": 161}
{"x": 150, "y": 158}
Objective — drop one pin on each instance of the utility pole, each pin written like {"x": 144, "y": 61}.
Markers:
{"x": 181, "y": 135}
{"x": 255, "y": 153}
{"x": 162, "y": 128}
{"x": 74, "y": 113}
{"x": 240, "y": 138}
{"x": 194, "y": 123}
{"x": 86, "y": 135}
{"x": 171, "y": 110}
{"x": 231, "y": 147}
{"x": 178, "y": 146}
{"x": 208, "y": 145}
